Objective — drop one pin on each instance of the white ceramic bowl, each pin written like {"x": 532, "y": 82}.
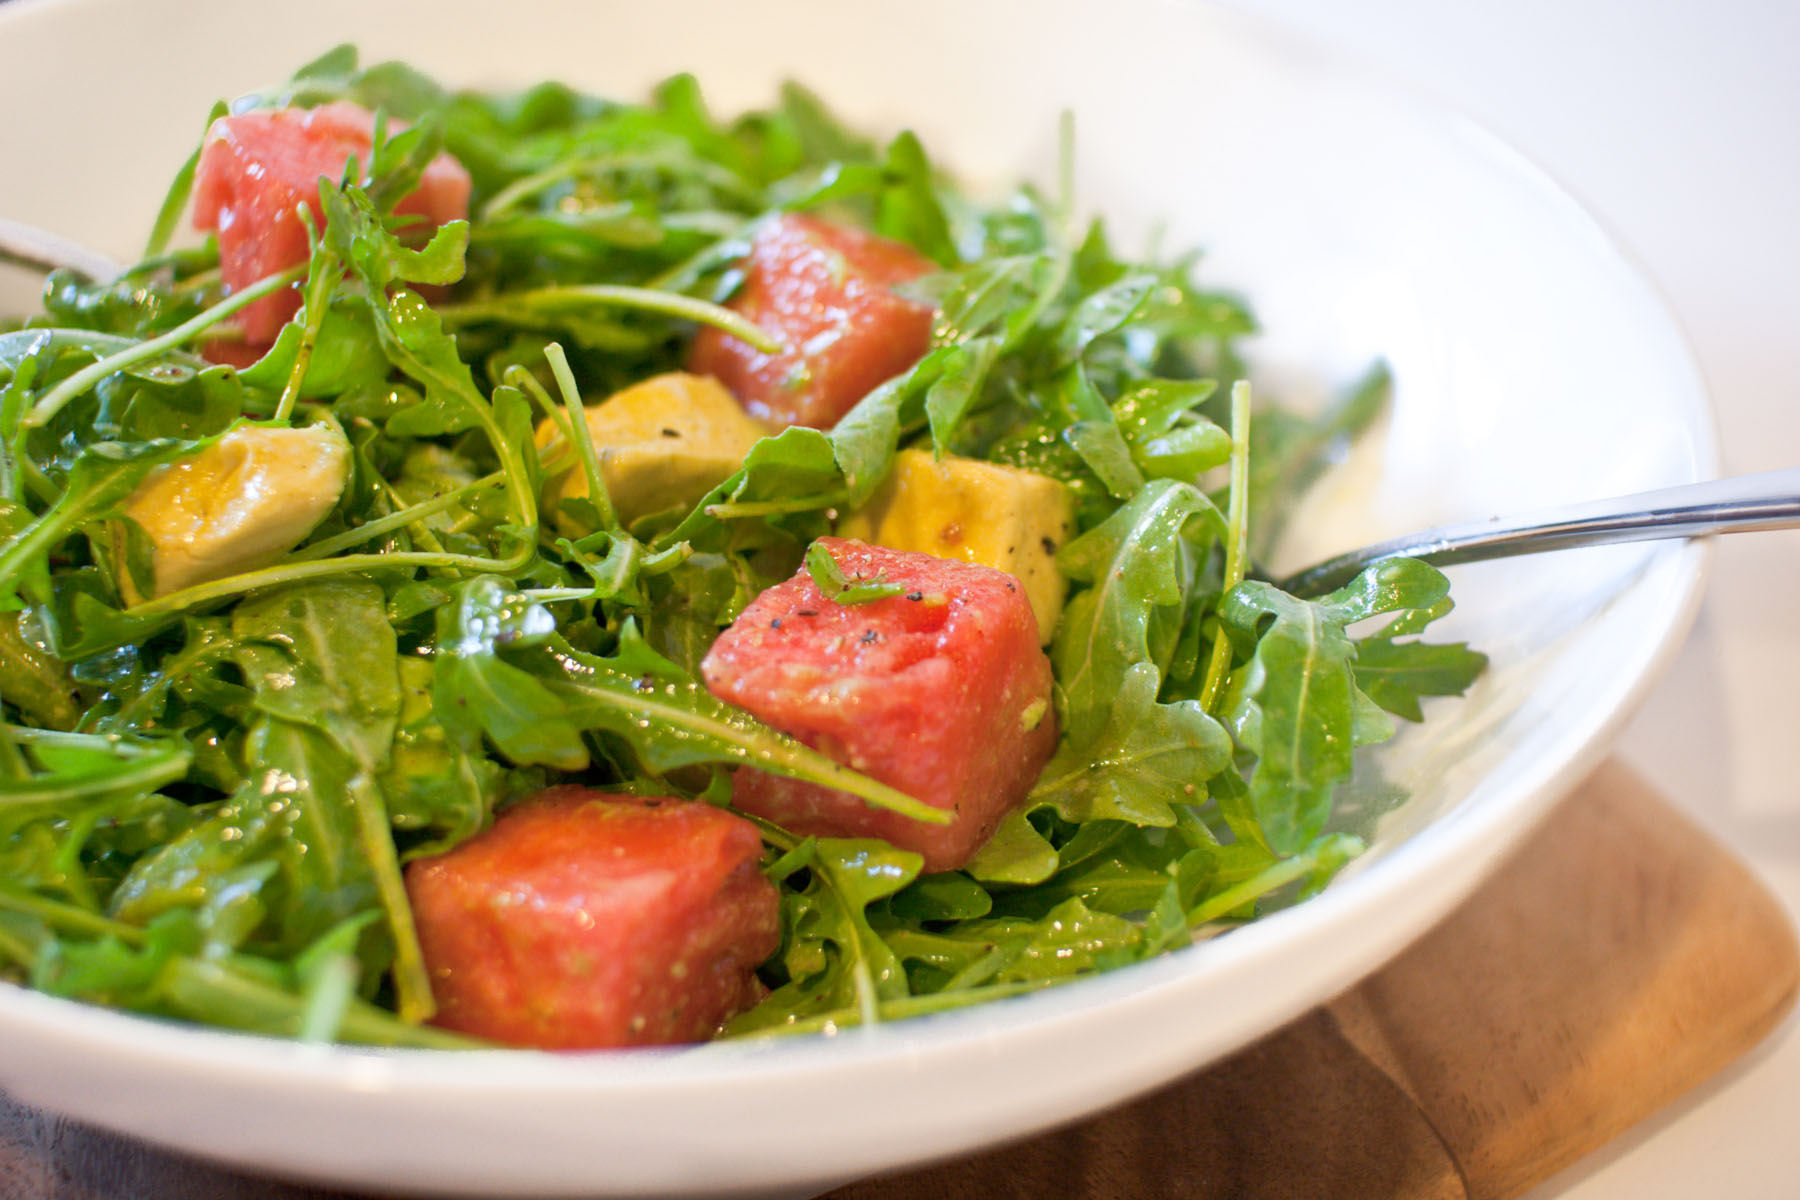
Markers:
{"x": 1533, "y": 367}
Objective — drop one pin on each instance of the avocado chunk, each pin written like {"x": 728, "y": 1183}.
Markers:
{"x": 239, "y": 504}
{"x": 975, "y": 512}
{"x": 661, "y": 444}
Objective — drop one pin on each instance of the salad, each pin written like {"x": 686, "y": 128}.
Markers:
{"x": 565, "y": 572}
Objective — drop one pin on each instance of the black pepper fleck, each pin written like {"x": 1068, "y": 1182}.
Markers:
{"x": 674, "y": 433}
{"x": 775, "y": 624}
{"x": 870, "y": 637}
{"x": 806, "y": 612}
{"x": 915, "y": 595}
{"x": 1048, "y": 545}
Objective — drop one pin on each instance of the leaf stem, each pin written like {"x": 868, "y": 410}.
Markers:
{"x": 12, "y": 401}
{"x": 759, "y": 747}
{"x": 217, "y": 993}
{"x": 906, "y": 1006}
{"x": 321, "y": 275}
{"x": 582, "y": 436}
{"x": 525, "y": 186}
{"x": 1237, "y": 522}
{"x": 412, "y": 985}
{"x": 60, "y": 395}
{"x": 12, "y": 760}
{"x": 293, "y": 572}
{"x": 143, "y": 769}
{"x": 69, "y": 917}
{"x": 175, "y": 201}
{"x": 763, "y": 508}
{"x": 421, "y": 532}
{"x": 1274, "y": 876}
{"x": 328, "y": 999}
{"x": 412, "y": 514}
{"x": 507, "y": 307}
{"x": 555, "y": 595}
{"x": 20, "y": 951}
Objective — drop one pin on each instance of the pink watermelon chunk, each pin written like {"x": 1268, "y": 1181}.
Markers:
{"x": 257, "y": 168}
{"x": 585, "y": 920}
{"x": 825, "y": 291}
{"x": 941, "y": 692}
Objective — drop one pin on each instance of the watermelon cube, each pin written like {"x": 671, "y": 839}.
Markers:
{"x": 940, "y": 691}
{"x": 825, "y": 291}
{"x": 257, "y": 168}
{"x": 583, "y": 919}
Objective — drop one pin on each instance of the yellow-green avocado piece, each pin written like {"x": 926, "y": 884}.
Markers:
{"x": 239, "y": 504}
{"x": 975, "y": 512}
{"x": 661, "y": 444}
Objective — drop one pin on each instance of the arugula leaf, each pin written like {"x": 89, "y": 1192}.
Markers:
{"x": 1295, "y": 700}
{"x": 1134, "y": 877}
{"x": 101, "y": 478}
{"x": 476, "y": 692}
{"x": 832, "y": 957}
{"x": 1071, "y": 939}
{"x": 965, "y": 370}
{"x": 160, "y": 971}
{"x": 909, "y": 210}
{"x": 1144, "y": 759}
{"x": 1396, "y": 674}
{"x": 1093, "y": 433}
{"x": 1289, "y": 705}
{"x": 835, "y": 586}
{"x": 412, "y": 335}
{"x": 778, "y": 495}
{"x": 1167, "y": 439}
{"x": 137, "y": 304}
{"x": 1139, "y": 564}
{"x": 430, "y": 651}
{"x": 1255, "y": 880}
{"x": 864, "y": 441}
{"x": 1101, "y": 312}
{"x": 349, "y": 353}
{"x": 33, "y": 680}
{"x": 437, "y": 779}
{"x": 1016, "y": 853}
{"x": 686, "y": 607}
{"x": 325, "y": 656}
{"x": 69, "y": 769}
{"x": 945, "y": 896}
{"x": 320, "y": 661}
{"x": 639, "y": 697}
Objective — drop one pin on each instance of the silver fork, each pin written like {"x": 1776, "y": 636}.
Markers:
{"x": 39, "y": 250}
{"x": 1770, "y": 500}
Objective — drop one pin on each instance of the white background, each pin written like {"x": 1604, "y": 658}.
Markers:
{"x": 1678, "y": 124}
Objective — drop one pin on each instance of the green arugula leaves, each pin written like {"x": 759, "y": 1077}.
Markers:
{"x": 834, "y": 585}
{"x": 207, "y": 797}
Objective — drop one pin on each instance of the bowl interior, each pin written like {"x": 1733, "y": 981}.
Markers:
{"x": 1532, "y": 366}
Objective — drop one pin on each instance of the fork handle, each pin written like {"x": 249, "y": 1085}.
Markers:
{"x": 27, "y": 246}
{"x": 1770, "y": 500}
